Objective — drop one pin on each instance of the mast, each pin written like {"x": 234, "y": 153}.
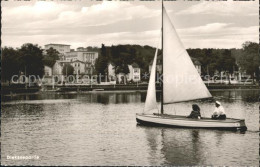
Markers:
{"x": 162, "y": 66}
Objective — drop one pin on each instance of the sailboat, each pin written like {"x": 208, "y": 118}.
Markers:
{"x": 177, "y": 65}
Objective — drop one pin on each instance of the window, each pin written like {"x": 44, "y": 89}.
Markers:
{"x": 135, "y": 70}
{"x": 136, "y": 77}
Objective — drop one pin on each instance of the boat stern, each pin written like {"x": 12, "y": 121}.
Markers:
{"x": 242, "y": 126}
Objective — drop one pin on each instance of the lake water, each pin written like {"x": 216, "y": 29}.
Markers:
{"x": 99, "y": 128}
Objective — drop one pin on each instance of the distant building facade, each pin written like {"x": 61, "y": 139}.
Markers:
{"x": 47, "y": 71}
{"x": 80, "y": 68}
{"x": 58, "y": 66}
{"x": 81, "y": 54}
{"x": 61, "y": 48}
{"x": 111, "y": 72}
{"x": 133, "y": 75}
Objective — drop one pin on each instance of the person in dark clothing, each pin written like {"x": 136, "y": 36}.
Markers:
{"x": 195, "y": 113}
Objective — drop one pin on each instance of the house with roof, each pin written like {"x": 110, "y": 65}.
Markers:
{"x": 80, "y": 67}
{"x": 58, "y": 66}
{"x": 133, "y": 75}
{"x": 47, "y": 71}
{"x": 81, "y": 54}
{"x": 47, "y": 75}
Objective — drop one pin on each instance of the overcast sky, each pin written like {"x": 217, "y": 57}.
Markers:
{"x": 200, "y": 24}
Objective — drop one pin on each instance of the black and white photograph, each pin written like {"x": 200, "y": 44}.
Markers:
{"x": 130, "y": 83}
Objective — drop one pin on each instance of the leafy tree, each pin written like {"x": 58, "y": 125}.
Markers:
{"x": 51, "y": 57}
{"x": 229, "y": 63}
{"x": 31, "y": 59}
{"x": 101, "y": 63}
{"x": 211, "y": 68}
{"x": 10, "y": 63}
{"x": 249, "y": 59}
{"x": 115, "y": 57}
{"x": 127, "y": 54}
{"x": 93, "y": 49}
{"x": 121, "y": 57}
{"x": 214, "y": 59}
{"x": 226, "y": 63}
{"x": 67, "y": 70}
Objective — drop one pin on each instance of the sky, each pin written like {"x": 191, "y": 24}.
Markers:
{"x": 200, "y": 24}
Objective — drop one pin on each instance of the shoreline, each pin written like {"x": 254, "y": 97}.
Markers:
{"x": 108, "y": 89}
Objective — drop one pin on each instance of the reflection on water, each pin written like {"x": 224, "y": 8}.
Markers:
{"x": 107, "y": 97}
{"x": 201, "y": 147}
{"x": 100, "y": 129}
{"x": 88, "y": 97}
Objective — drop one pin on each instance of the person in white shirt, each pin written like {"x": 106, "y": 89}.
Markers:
{"x": 219, "y": 112}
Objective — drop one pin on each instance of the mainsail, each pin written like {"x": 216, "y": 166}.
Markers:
{"x": 181, "y": 80}
{"x": 150, "y": 102}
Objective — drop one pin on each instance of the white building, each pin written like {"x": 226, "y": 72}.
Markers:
{"x": 82, "y": 55}
{"x": 80, "y": 68}
{"x": 111, "y": 72}
{"x": 61, "y": 48}
{"x": 134, "y": 73}
{"x": 47, "y": 71}
{"x": 58, "y": 66}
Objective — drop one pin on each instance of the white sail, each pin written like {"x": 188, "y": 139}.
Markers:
{"x": 181, "y": 80}
{"x": 150, "y": 102}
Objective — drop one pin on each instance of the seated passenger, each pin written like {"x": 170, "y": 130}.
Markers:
{"x": 219, "y": 112}
{"x": 195, "y": 113}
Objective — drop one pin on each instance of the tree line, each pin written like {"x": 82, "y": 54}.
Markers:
{"x": 121, "y": 56}
{"x": 212, "y": 60}
{"x": 29, "y": 59}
